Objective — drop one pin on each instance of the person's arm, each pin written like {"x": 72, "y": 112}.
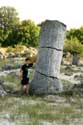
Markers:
{"x": 30, "y": 65}
{"x": 21, "y": 74}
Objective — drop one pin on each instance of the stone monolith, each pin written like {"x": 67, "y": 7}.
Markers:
{"x": 46, "y": 78}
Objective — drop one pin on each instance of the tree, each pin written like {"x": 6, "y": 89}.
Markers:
{"x": 13, "y": 37}
{"x": 8, "y": 22}
{"x": 8, "y": 17}
{"x": 75, "y": 33}
{"x": 28, "y": 33}
{"x": 81, "y": 34}
{"x": 75, "y": 48}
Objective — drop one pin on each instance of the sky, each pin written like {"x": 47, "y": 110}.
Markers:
{"x": 70, "y": 12}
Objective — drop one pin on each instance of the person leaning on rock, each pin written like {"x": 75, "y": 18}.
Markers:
{"x": 24, "y": 75}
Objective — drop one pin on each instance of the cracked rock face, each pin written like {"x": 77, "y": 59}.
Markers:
{"x": 46, "y": 78}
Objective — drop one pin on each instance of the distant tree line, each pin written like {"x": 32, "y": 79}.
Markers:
{"x": 13, "y": 31}
{"x": 74, "y": 41}
{"x": 26, "y": 32}
{"x": 74, "y": 44}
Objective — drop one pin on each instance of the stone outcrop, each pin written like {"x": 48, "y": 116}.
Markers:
{"x": 46, "y": 78}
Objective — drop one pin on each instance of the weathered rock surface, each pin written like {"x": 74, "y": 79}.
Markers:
{"x": 52, "y": 35}
{"x": 46, "y": 78}
{"x": 43, "y": 84}
{"x": 48, "y": 61}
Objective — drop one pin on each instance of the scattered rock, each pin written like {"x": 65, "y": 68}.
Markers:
{"x": 7, "y": 67}
{"x": 2, "y": 89}
{"x": 79, "y": 76}
{"x": 11, "y": 66}
{"x": 78, "y": 88}
{"x": 68, "y": 68}
{"x": 54, "y": 98}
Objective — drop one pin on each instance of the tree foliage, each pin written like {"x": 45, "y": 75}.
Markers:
{"x": 8, "y": 17}
{"x": 74, "y": 41}
{"x": 13, "y": 31}
{"x": 8, "y": 22}
{"x": 73, "y": 46}
{"x": 75, "y": 33}
{"x": 28, "y": 33}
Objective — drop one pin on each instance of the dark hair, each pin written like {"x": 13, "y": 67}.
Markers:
{"x": 27, "y": 59}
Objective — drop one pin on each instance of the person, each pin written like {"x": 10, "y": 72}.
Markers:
{"x": 24, "y": 76}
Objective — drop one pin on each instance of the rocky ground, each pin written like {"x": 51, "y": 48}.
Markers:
{"x": 63, "y": 109}
{"x": 74, "y": 74}
{"x": 70, "y": 75}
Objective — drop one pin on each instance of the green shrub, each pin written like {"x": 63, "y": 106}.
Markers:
{"x": 73, "y": 46}
{"x": 10, "y": 49}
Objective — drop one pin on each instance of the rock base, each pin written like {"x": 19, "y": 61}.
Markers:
{"x": 42, "y": 84}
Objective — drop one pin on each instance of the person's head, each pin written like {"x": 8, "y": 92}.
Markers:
{"x": 27, "y": 61}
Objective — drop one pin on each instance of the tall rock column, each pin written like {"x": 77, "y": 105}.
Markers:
{"x": 46, "y": 78}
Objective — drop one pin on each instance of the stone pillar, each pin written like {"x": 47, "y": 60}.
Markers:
{"x": 46, "y": 78}
{"x": 76, "y": 59}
